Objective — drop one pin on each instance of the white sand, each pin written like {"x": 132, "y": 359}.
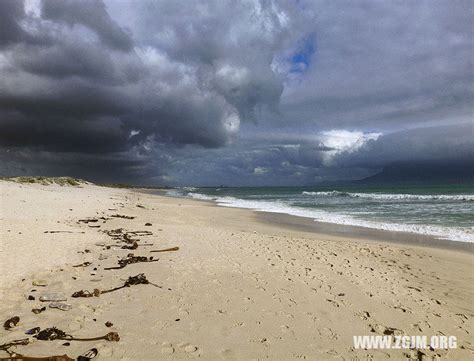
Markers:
{"x": 237, "y": 289}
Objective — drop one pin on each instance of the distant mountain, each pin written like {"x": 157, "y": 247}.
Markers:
{"x": 455, "y": 172}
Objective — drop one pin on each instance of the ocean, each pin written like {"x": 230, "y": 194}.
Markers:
{"x": 442, "y": 211}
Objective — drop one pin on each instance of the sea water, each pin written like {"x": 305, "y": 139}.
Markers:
{"x": 443, "y": 211}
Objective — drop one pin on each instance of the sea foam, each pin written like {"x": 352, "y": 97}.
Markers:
{"x": 388, "y": 196}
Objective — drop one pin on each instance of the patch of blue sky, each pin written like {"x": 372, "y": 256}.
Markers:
{"x": 301, "y": 59}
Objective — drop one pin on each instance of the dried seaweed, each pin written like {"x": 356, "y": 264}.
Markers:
{"x": 122, "y": 216}
{"x": 11, "y": 322}
{"x": 53, "y": 333}
{"x": 38, "y": 310}
{"x": 6, "y": 346}
{"x": 50, "y": 334}
{"x": 131, "y": 260}
{"x": 131, "y": 281}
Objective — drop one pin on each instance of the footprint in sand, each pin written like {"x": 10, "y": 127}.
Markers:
{"x": 364, "y": 315}
{"x": 380, "y": 329}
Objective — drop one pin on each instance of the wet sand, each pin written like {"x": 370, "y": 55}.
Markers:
{"x": 243, "y": 285}
{"x": 361, "y": 233}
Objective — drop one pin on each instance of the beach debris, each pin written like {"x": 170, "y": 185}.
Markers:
{"x": 122, "y": 216}
{"x": 50, "y": 334}
{"x": 60, "y": 306}
{"x": 52, "y": 297}
{"x": 130, "y": 260}
{"x": 131, "y": 281}
{"x": 84, "y": 264}
{"x": 134, "y": 245}
{"x": 33, "y": 331}
{"x": 140, "y": 206}
{"x": 6, "y": 346}
{"x": 128, "y": 237}
{"x": 166, "y": 249}
{"x": 86, "y": 293}
{"x": 115, "y": 233}
{"x": 108, "y": 324}
{"x": 16, "y": 356}
{"x": 11, "y": 322}
{"x": 141, "y": 233}
{"x": 121, "y": 235}
{"x": 40, "y": 283}
{"x": 31, "y": 298}
{"x": 38, "y": 310}
{"x": 53, "y": 333}
{"x": 88, "y": 220}
{"x": 88, "y": 355}
{"x": 148, "y": 224}
{"x": 93, "y": 220}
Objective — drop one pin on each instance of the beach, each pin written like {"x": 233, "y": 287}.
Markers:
{"x": 241, "y": 286}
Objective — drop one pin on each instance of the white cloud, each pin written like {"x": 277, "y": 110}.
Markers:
{"x": 260, "y": 171}
{"x": 343, "y": 141}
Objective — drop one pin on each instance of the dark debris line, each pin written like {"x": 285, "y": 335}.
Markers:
{"x": 52, "y": 333}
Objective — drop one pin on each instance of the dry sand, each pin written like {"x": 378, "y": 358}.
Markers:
{"x": 237, "y": 289}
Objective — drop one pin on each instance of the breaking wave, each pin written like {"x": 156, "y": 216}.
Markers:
{"x": 395, "y": 197}
{"x": 456, "y": 234}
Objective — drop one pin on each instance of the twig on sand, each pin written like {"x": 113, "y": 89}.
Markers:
{"x": 166, "y": 249}
{"x": 85, "y": 264}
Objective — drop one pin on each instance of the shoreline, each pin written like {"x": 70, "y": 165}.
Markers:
{"x": 308, "y": 224}
{"x": 239, "y": 286}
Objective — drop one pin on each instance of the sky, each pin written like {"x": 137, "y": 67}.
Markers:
{"x": 246, "y": 92}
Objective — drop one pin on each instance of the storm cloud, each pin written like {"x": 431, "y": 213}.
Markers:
{"x": 224, "y": 92}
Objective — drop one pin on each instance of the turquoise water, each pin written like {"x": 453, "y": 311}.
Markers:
{"x": 444, "y": 211}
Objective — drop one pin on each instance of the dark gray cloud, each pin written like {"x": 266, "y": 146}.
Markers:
{"x": 91, "y": 14}
{"x": 250, "y": 92}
